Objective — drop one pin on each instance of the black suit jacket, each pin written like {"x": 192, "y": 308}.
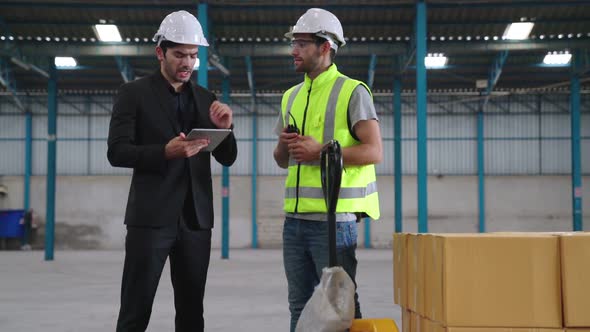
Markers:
{"x": 141, "y": 126}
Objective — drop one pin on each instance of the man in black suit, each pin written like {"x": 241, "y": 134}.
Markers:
{"x": 170, "y": 207}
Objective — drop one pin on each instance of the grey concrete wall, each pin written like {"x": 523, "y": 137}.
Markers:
{"x": 90, "y": 209}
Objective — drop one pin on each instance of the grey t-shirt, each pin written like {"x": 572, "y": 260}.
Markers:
{"x": 360, "y": 107}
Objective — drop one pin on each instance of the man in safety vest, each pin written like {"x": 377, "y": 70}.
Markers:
{"x": 326, "y": 106}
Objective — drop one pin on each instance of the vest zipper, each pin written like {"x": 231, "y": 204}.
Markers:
{"x": 302, "y": 133}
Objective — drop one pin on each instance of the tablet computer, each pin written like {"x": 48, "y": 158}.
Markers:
{"x": 215, "y": 136}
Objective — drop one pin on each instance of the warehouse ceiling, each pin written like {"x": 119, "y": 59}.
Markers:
{"x": 249, "y": 34}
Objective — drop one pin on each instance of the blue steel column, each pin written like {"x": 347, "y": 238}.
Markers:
{"x": 254, "y": 152}
{"x": 88, "y": 110}
{"x": 371, "y": 75}
{"x": 370, "y": 79}
{"x": 254, "y": 179}
{"x": 28, "y": 166}
{"x": 225, "y": 88}
{"x": 575, "y": 143}
{"x": 495, "y": 73}
{"x": 397, "y": 150}
{"x": 421, "y": 116}
{"x": 202, "y": 72}
{"x": 481, "y": 170}
{"x": 51, "y": 160}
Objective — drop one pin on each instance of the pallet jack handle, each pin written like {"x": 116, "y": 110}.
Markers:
{"x": 331, "y": 166}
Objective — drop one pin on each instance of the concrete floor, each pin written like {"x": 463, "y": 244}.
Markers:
{"x": 79, "y": 291}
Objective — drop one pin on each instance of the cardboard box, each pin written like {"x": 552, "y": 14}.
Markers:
{"x": 492, "y": 280}
{"x": 575, "y": 274}
{"x": 498, "y": 329}
{"x": 406, "y": 320}
{"x": 430, "y": 326}
{"x": 433, "y": 281}
{"x": 415, "y": 322}
{"x": 415, "y": 274}
{"x": 400, "y": 267}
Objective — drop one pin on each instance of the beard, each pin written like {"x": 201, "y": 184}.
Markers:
{"x": 178, "y": 75}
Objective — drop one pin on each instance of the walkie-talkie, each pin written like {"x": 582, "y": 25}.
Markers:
{"x": 292, "y": 128}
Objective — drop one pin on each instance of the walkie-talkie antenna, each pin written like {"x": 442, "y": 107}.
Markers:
{"x": 292, "y": 128}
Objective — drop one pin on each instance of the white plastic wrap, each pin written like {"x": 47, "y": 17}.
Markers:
{"x": 331, "y": 307}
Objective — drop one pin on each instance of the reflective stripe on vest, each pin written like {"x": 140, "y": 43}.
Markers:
{"x": 345, "y": 193}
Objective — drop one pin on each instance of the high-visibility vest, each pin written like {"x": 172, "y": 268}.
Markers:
{"x": 320, "y": 110}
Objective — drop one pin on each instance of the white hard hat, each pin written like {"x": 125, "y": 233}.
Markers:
{"x": 181, "y": 27}
{"x": 323, "y": 24}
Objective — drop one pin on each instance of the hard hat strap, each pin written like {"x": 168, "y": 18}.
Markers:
{"x": 329, "y": 38}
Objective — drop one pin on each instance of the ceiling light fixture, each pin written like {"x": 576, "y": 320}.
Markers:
{"x": 518, "y": 30}
{"x": 65, "y": 62}
{"x": 107, "y": 32}
{"x": 557, "y": 58}
{"x": 435, "y": 60}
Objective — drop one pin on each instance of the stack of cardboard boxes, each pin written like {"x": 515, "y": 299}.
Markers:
{"x": 493, "y": 282}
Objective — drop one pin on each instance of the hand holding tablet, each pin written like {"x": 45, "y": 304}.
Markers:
{"x": 215, "y": 136}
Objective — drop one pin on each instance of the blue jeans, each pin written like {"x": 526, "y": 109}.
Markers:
{"x": 306, "y": 252}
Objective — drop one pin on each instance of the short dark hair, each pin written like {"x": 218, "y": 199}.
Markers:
{"x": 166, "y": 44}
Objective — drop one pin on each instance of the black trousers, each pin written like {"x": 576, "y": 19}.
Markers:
{"x": 146, "y": 250}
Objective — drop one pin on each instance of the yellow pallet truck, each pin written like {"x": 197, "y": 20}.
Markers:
{"x": 373, "y": 325}
{"x": 331, "y": 164}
